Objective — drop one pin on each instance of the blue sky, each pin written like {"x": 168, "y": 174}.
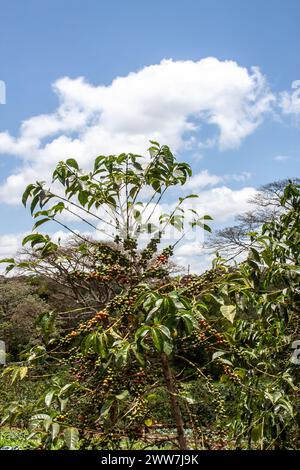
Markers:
{"x": 41, "y": 42}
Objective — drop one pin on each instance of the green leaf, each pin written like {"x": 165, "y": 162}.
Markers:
{"x": 189, "y": 322}
{"x": 122, "y": 354}
{"x": 23, "y": 371}
{"x": 207, "y": 228}
{"x": 286, "y": 405}
{"x": 225, "y": 361}
{"x": 228, "y": 311}
{"x": 165, "y": 331}
{"x": 27, "y": 193}
{"x": 123, "y": 395}
{"x": 73, "y": 163}
{"x": 71, "y": 436}
{"x": 34, "y": 238}
{"x": 255, "y": 254}
{"x": 142, "y": 332}
{"x": 100, "y": 344}
{"x": 253, "y": 264}
{"x": 83, "y": 197}
{"x": 217, "y": 355}
{"x": 66, "y": 388}
{"x": 155, "y": 309}
{"x": 63, "y": 403}
{"x": 257, "y": 431}
{"x": 98, "y": 161}
{"x": 168, "y": 348}
{"x": 39, "y": 417}
{"x": 47, "y": 423}
{"x": 55, "y": 431}
{"x": 40, "y": 222}
{"x": 48, "y": 398}
{"x": 34, "y": 203}
{"x": 106, "y": 408}
{"x": 7, "y": 260}
{"x": 57, "y": 208}
{"x": 153, "y": 142}
{"x": 138, "y": 166}
{"x": 86, "y": 343}
{"x": 157, "y": 339}
{"x": 138, "y": 355}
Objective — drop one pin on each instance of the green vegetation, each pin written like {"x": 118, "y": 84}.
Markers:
{"x": 111, "y": 348}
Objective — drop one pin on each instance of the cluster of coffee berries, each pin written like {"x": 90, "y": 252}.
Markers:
{"x": 60, "y": 418}
{"x": 161, "y": 259}
{"x": 210, "y": 332}
{"x": 130, "y": 244}
{"x": 101, "y": 315}
{"x": 74, "y": 333}
{"x": 231, "y": 374}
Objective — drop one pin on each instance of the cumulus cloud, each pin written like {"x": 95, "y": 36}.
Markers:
{"x": 9, "y": 245}
{"x": 193, "y": 257}
{"x": 204, "y": 178}
{"x": 166, "y": 102}
{"x": 290, "y": 100}
{"x": 201, "y": 180}
{"x": 222, "y": 202}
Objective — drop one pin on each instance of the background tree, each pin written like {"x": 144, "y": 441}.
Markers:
{"x": 235, "y": 240}
{"x": 20, "y": 307}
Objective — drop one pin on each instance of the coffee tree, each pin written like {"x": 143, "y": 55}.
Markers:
{"x": 144, "y": 317}
{"x": 256, "y": 304}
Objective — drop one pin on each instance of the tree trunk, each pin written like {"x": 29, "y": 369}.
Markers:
{"x": 174, "y": 402}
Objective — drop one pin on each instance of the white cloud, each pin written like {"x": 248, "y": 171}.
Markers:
{"x": 281, "y": 158}
{"x": 164, "y": 102}
{"x": 194, "y": 257}
{"x": 201, "y": 180}
{"x": 204, "y": 179}
{"x": 239, "y": 177}
{"x": 290, "y": 100}
{"x": 223, "y": 203}
{"x": 9, "y": 245}
{"x": 167, "y": 102}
